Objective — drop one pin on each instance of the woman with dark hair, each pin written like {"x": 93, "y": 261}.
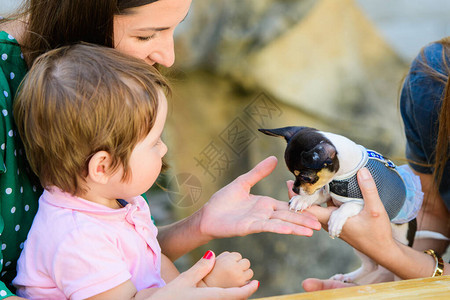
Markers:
{"x": 425, "y": 108}
{"x": 143, "y": 29}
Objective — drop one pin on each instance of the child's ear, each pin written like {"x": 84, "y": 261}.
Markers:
{"x": 98, "y": 167}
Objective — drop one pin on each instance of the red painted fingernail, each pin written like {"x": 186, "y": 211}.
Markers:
{"x": 208, "y": 254}
{"x": 258, "y": 284}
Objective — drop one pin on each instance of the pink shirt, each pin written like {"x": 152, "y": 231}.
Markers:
{"x": 77, "y": 248}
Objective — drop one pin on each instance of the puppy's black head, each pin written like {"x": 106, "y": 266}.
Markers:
{"x": 309, "y": 155}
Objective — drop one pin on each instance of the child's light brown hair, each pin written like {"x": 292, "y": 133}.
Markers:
{"x": 81, "y": 99}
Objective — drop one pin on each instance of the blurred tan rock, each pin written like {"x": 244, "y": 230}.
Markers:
{"x": 332, "y": 63}
{"x": 323, "y": 57}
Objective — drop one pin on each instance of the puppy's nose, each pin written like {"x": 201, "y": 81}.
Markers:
{"x": 296, "y": 189}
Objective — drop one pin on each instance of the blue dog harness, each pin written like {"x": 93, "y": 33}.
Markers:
{"x": 398, "y": 187}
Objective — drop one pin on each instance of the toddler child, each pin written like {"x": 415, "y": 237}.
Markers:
{"x": 91, "y": 121}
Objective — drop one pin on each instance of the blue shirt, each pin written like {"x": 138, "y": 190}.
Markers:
{"x": 420, "y": 104}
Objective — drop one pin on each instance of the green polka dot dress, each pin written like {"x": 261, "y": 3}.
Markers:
{"x": 19, "y": 190}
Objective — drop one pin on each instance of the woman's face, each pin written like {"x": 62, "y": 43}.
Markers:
{"x": 146, "y": 32}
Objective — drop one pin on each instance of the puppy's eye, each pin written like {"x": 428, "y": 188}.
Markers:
{"x": 296, "y": 172}
{"x": 306, "y": 179}
{"x": 327, "y": 163}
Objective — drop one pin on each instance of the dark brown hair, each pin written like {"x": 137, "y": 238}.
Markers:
{"x": 54, "y": 23}
{"x": 442, "y": 147}
{"x": 81, "y": 99}
{"x": 443, "y": 143}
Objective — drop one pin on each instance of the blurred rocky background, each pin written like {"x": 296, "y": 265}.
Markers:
{"x": 336, "y": 65}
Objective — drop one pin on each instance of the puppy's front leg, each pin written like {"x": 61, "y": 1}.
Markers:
{"x": 304, "y": 200}
{"x": 340, "y": 216}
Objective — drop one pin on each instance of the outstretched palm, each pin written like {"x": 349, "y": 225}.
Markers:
{"x": 233, "y": 211}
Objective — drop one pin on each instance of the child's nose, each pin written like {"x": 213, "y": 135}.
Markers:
{"x": 163, "y": 149}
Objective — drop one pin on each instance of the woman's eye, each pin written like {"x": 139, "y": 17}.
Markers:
{"x": 145, "y": 38}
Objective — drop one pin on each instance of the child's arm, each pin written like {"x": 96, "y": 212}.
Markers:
{"x": 186, "y": 285}
{"x": 168, "y": 270}
{"x": 230, "y": 270}
{"x": 126, "y": 290}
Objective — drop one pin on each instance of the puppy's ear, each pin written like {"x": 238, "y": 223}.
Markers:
{"x": 286, "y": 132}
{"x": 319, "y": 157}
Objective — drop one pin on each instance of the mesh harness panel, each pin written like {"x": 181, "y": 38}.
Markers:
{"x": 390, "y": 185}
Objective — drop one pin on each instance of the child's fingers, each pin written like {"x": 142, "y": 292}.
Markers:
{"x": 237, "y": 256}
{"x": 223, "y": 254}
{"x": 248, "y": 274}
{"x": 244, "y": 263}
{"x": 232, "y": 256}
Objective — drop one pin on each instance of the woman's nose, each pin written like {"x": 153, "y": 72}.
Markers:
{"x": 165, "y": 53}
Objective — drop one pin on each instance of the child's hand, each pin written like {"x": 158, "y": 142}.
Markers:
{"x": 230, "y": 270}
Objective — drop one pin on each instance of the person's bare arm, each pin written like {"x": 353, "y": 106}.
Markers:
{"x": 370, "y": 232}
{"x": 433, "y": 216}
{"x": 124, "y": 291}
{"x": 168, "y": 270}
{"x": 184, "y": 286}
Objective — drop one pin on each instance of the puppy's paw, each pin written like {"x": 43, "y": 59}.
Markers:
{"x": 335, "y": 226}
{"x": 304, "y": 200}
{"x": 340, "y": 216}
{"x": 342, "y": 277}
{"x": 299, "y": 203}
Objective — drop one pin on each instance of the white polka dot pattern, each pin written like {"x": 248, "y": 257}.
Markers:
{"x": 18, "y": 198}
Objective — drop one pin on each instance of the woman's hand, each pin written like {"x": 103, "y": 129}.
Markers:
{"x": 369, "y": 231}
{"x": 233, "y": 211}
{"x": 314, "y": 284}
{"x": 185, "y": 285}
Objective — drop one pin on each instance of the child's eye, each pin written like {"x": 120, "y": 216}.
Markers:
{"x": 145, "y": 38}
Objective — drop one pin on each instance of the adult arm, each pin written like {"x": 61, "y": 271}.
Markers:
{"x": 433, "y": 216}
{"x": 240, "y": 213}
{"x": 370, "y": 232}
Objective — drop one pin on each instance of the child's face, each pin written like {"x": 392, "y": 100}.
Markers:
{"x": 146, "y": 159}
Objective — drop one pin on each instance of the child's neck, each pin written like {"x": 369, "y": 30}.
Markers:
{"x": 100, "y": 198}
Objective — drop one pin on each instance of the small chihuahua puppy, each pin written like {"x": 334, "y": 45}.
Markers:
{"x": 325, "y": 166}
